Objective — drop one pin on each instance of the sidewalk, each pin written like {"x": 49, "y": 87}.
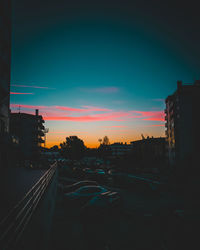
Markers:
{"x": 14, "y": 184}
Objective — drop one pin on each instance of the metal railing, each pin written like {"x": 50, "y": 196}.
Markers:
{"x": 14, "y": 224}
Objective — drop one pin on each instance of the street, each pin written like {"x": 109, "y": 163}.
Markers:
{"x": 140, "y": 225}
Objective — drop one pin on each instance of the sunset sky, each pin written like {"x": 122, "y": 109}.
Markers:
{"x": 96, "y": 68}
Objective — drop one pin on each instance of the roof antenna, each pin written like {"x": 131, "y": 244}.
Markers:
{"x": 19, "y": 109}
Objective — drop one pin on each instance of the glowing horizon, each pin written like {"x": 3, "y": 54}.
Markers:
{"x": 91, "y": 123}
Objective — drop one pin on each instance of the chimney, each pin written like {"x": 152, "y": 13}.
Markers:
{"x": 179, "y": 84}
{"x": 36, "y": 112}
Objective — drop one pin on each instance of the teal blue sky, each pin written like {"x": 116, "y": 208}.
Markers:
{"x": 117, "y": 56}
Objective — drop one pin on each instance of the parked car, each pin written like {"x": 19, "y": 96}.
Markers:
{"x": 102, "y": 207}
{"x": 100, "y": 175}
{"x": 82, "y": 195}
{"x": 100, "y": 171}
{"x": 89, "y": 173}
{"x": 76, "y": 185}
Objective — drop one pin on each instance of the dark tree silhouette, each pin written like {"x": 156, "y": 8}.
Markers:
{"x": 104, "y": 150}
{"x": 73, "y": 148}
{"x": 106, "y": 140}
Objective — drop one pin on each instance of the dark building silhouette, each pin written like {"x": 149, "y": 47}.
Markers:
{"x": 5, "y": 55}
{"x": 182, "y": 122}
{"x": 30, "y": 132}
{"x": 150, "y": 152}
{"x": 119, "y": 148}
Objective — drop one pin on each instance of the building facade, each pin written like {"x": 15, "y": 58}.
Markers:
{"x": 150, "y": 152}
{"x": 154, "y": 146}
{"x": 182, "y": 116}
{"x": 119, "y": 149}
{"x": 30, "y": 132}
{"x": 5, "y": 57}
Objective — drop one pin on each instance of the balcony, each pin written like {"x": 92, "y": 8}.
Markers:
{"x": 4, "y": 93}
{"x": 40, "y": 140}
{"x": 40, "y": 121}
{"x": 40, "y": 133}
{"x": 41, "y": 127}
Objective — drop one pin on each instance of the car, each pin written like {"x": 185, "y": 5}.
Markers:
{"x": 82, "y": 195}
{"x": 101, "y": 207}
{"x": 100, "y": 171}
{"x": 76, "y": 185}
{"x": 113, "y": 199}
{"x": 88, "y": 170}
{"x": 89, "y": 173}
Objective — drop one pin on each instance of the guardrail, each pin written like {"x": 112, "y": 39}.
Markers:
{"x": 14, "y": 224}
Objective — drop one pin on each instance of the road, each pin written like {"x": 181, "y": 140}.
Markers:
{"x": 14, "y": 184}
{"x": 140, "y": 225}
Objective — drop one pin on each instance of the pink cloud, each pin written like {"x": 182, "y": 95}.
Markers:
{"x": 65, "y": 113}
{"x": 111, "y": 116}
{"x": 151, "y": 115}
{"x": 30, "y": 86}
{"x": 17, "y": 93}
{"x": 79, "y": 118}
{"x": 155, "y": 125}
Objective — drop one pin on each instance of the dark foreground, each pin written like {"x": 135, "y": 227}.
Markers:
{"x": 145, "y": 222}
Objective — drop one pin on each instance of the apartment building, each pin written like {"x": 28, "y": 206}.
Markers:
{"x": 30, "y": 131}
{"x": 182, "y": 122}
{"x": 5, "y": 55}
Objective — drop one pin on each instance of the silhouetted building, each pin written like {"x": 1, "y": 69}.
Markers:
{"x": 118, "y": 148}
{"x": 182, "y": 122}
{"x": 150, "y": 152}
{"x": 30, "y": 131}
{"x": 5, "y": 54}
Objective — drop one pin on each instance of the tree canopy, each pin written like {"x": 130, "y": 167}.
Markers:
{"x": 73, "y": 148}
{"x": 106, "y": 140}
